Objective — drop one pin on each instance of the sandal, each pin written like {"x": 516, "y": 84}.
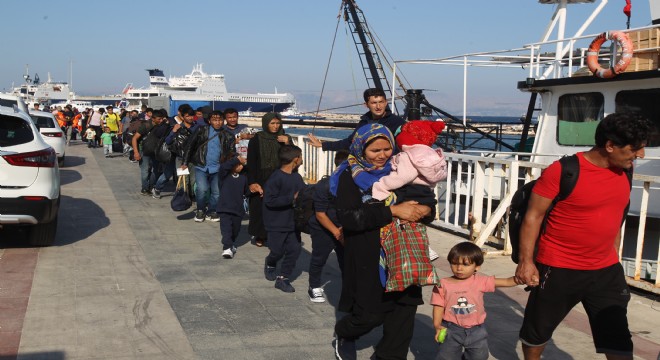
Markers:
{"x": 259, "y": 242}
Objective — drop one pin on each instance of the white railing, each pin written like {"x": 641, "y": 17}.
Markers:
{"x": 482, "y": 186}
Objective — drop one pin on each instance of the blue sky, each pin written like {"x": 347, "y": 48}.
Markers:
{"x": 263, "y": 44}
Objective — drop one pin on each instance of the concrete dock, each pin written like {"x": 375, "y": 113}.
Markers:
{"x": 128, "y": 278}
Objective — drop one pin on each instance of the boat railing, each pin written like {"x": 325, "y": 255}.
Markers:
{"x": 548, "y": 59}
{"x": 475, "y": 197}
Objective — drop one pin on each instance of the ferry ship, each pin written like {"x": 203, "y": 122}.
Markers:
{"x": 201, "y": 89}
{"x": 33, "y": 90}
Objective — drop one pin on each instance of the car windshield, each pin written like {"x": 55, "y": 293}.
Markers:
{"x": 43, "y": 122}
{"x": 14, "y": 131}
{"x": 8, "y": 103}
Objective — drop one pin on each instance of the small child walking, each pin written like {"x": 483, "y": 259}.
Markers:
{"x": 90, "y": 135}
{"x": 280, "y": 190}
{"x": 106, "y": 140}
{"x": 326, "y": 233}
{"x": 458, "y": 304}
{"x": 230, "y": 208}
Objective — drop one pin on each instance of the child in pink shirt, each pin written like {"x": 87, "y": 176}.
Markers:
{"x": 458, "y": 304}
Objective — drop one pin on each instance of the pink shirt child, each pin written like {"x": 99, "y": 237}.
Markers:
{"x": 463, "y": 301}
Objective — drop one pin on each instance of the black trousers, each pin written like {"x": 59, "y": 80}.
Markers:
{"x": 256, "y": 226}
{"x": 322, "y": 245}
{"x": 230, "y": 226}
{"x": 398, "y": 326}
{"x": 283, "y": 245}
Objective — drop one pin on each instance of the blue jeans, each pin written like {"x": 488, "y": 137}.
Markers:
{"x": 207, "y": 182}
{"x": 168, "y": 171}
{"x": 466, "y": 343}
{"x": 146, "y": 169}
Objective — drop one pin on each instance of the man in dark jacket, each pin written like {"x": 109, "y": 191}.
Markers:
{"x": 376, "y": 101}
{"x": 203, "y": 150}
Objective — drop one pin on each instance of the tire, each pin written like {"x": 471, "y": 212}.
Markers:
{"x": 43, "y": 234}
{"x": 60, "y": 161}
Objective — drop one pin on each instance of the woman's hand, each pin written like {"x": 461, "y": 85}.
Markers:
{"x": 283, "y": 139}
{"x": 410, "y": 211}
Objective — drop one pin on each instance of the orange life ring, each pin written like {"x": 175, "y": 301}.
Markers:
{"x": 621, "y": 65}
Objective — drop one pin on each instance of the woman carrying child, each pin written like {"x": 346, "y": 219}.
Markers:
{"x": 363, "y": 296}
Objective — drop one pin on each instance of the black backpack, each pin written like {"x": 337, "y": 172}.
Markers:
{"x": 303, "y": 208}
{"x": 570, "y": 169}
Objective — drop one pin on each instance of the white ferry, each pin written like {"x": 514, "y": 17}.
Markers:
{"x": 199, "y": 88}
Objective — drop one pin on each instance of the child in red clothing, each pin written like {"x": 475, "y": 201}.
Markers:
{"x": 458, "y": 304}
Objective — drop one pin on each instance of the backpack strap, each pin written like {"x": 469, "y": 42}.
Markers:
{"x": 629, "y": 175}
{"x": 570, "y": 170}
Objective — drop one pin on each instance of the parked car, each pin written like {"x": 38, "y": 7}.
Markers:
{"x": 29, "y": 178}
{"x": 11, "y": 101}
{"x": 50, "y": 132}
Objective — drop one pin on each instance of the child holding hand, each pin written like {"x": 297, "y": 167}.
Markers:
{"x": 458, "y": 305}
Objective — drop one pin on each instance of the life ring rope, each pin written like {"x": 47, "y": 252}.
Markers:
{"x": 620, "y": 66}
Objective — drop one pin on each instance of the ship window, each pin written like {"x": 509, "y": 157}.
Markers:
{"x": 645, "y": 102}
{"x": 578, "y": 116}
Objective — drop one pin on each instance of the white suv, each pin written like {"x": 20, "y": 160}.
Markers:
{"x": 29, "y": 178}
{"x": 50, "y": 132}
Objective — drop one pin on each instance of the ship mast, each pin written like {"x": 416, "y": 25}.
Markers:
{"x": 369, "y": 54}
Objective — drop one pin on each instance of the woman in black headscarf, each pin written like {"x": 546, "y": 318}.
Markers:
{"x": 262, "y": 160}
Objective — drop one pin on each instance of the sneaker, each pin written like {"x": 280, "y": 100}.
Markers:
{"x": 284, "y": 284}
{"x": 345, "y": 349}
{"x": 145, "y": 192}
{"x": 229, "y": 253}
{"x": 316, "y": 295}
{"x": 199, "y": 216}
{"x": 269, "y": 272}
{"x": 155, "y": 193}
{"x": 213, "y": 217}
{"x": 433, "y": 255}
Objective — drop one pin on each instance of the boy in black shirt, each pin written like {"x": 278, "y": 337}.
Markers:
{"x": 230, "y": 208}
{"x": 326, "y": 233}
{"x": 280, "y": 191}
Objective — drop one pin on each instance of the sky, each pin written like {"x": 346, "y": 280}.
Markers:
{"x": 263, "y": 45}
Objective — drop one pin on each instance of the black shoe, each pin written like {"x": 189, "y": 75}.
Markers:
{"x": 284, "y": 284}
{"x": 199, "y": 216}
{"x": 145, "y": 192}
{"x": 345, "y": 349}
{"x": 269, "y": 272}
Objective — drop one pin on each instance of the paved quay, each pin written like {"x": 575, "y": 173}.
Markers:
{"x": 128, "y": 278}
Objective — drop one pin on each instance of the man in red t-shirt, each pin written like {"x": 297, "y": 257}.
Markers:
{"x": 577, "y": 259}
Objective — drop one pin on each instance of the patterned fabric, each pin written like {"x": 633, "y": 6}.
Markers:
{"x": 364, "y": 173}
{"x": 406, "y": 250}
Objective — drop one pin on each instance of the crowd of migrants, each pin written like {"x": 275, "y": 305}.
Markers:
{"x": 373, "y": 208}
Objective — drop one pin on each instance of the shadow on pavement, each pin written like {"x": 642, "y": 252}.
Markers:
{"x": 71, "y": 161}
{"x": 78, "y": 220}
{"x": 69, "y": 176}
{"x": 51, "y": 355}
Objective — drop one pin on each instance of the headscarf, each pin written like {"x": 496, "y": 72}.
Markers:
{"x": 268, "y": 144}
{"x": 364, "y": 173}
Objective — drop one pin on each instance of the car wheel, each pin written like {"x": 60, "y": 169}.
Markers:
{"x": 60, "y": 161}
{"x": 43, "y": 234}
